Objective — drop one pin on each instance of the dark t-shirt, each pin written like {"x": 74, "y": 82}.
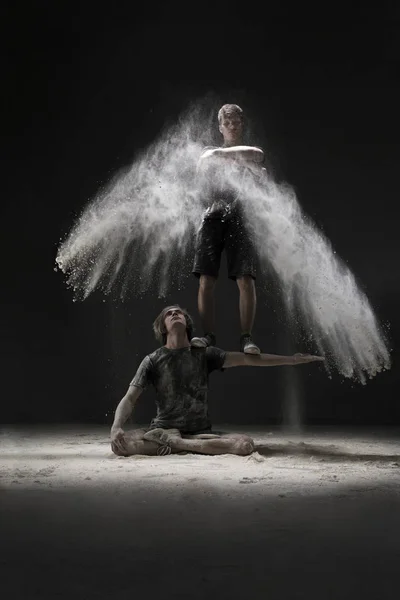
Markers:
{"x": 180, "y": 378}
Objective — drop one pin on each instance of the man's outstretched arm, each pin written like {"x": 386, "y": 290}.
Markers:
{"x": 238, "y": 359}
{"x": 122, "y": 413}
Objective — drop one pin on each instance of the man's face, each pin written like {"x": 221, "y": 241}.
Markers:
{"x": 174, "y": 318}
{"x": 231, "y": 127}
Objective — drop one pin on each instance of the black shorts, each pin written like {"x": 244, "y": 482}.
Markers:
{"x": 229, "y": 233}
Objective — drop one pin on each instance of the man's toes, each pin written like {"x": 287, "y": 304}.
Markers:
{"x": 164, "y": 450}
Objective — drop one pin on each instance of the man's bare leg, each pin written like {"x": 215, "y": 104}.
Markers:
{"x": 239, "y": 444}
{"x": 247, "y": 309}
{"x": 247, "y": 302}
{"x": 206, "y": 302}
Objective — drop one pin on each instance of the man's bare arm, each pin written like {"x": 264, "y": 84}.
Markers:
{"x": 239, "y": 359}
{"x": 122, "y": 413}
{"x": 241, "y": 153}
{"x": 126, "y": 406}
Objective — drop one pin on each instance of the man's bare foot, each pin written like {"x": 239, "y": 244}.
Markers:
{"x": 164, "y": 450}
{"x": 160, "y": 437}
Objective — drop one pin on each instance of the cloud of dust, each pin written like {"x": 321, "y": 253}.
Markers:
{"x": 139, "y": 233}
{"x": 316, "y": 285}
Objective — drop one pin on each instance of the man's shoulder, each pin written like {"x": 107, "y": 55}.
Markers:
{"x": 208, "y": 148}
{"x": 215, "y": 358}
{"x": 150, "y": 360}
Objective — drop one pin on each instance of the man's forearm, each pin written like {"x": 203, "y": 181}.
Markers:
{"x": 123, "y": 411}
{"x": 244, "y": 153}
{"x": 268, "y": 360}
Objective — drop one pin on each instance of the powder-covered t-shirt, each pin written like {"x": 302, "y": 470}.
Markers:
{"x": 180, "y": 378}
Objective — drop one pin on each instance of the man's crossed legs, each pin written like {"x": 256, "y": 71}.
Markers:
{"x": 166, "y": 441}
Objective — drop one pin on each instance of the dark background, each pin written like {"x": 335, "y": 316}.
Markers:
{"x": 86, "y": 87}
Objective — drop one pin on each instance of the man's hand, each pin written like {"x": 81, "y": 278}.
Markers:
{"x": 301, "y": 359}
{"x": 118, "y": 441}
{"x": 122, "y": 413}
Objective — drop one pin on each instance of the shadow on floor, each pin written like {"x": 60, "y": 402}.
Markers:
{"x": 323, "y": 453}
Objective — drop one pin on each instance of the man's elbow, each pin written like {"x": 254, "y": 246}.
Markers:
{"x": 258, "y": 155}
{"x": 206, "y": 154}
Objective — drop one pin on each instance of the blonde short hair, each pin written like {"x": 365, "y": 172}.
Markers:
{"x": 229, "y": 109}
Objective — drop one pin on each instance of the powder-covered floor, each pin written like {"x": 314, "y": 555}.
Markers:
{"x": 312, "y": 515}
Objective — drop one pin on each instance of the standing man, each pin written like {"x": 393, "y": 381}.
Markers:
{"x": 223, "y": 227}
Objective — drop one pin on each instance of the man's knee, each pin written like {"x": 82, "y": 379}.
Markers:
{"x": 245, "y": 283}
{"x": 207, "y": 283}
{"x": 243, "y": 445}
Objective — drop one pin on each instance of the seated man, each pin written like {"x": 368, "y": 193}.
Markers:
{"x": 179, "y": 373}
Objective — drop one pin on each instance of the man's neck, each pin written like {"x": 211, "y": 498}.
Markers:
{"x": 176, "y": 340}
{"x": 231, "y": 144}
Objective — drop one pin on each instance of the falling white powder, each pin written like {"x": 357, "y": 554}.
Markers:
{"x": 139, "y": 234}
{"x": 316, "y": 285}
